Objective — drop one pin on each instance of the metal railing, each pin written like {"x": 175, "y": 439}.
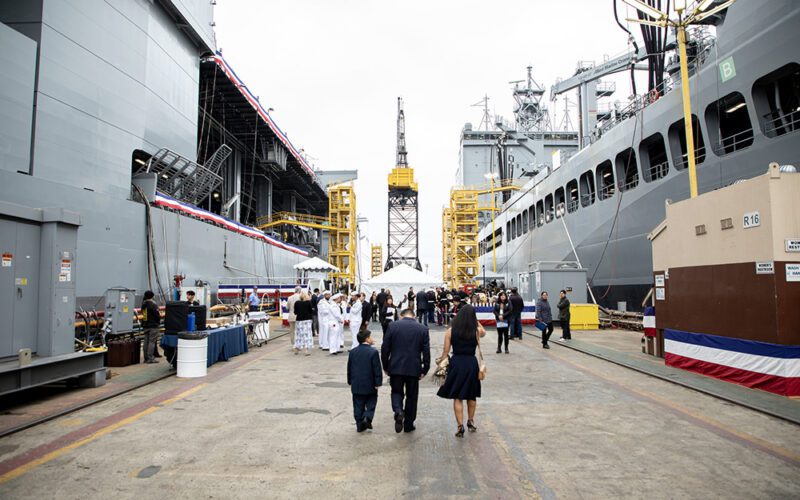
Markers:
{"x": 290, "y": 217}
{"x": 659, "y": 170}
{"x": 587, "y": 199}
{"x": 629, "y": 185}
{"x": 735, "y": 142}
{"x": 775, "y": 124}
{"x": 607, "y": 192}
{"x": 572, "y": 205}
{"x": 699, "y": 157}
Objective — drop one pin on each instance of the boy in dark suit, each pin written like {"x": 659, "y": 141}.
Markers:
{"x": 364, "y": 377}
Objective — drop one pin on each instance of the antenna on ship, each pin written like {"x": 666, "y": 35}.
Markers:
{"x": 566, "y": 121}
{"x": 486, "y": 120}
{"x": 531, "y": 114}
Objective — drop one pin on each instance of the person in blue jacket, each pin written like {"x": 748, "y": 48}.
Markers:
{"x": 364, "y": 377}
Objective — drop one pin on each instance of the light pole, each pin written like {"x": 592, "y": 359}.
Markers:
{"x": 492, "y": 176}
{"x": 662, "y": 20}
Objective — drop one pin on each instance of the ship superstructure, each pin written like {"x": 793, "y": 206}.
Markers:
{"x": 601, "y": 202}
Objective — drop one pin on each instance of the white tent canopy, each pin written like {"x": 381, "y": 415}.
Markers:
{"x": 398, "y": 279}
{"x": 315, "y": 264}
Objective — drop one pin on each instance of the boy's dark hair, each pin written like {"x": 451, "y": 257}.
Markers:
{"x": 316, "y": 290}
{"x": 363, "y": 335}
{"x": 190, "y": 292}
{"x": 149, "y": 295}
{"x": 407, "y": 313}
{"x": 564, "y": 292}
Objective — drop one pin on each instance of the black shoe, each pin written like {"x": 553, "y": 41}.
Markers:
{"x": 471, "y": 426}
{"x": 151, "y": 361}
{"x": 460, "y": 433}
{"x": 367, "y": 423}
{"x": 546, "y": 346}
{"x": 410, "y": 429}
{"x": 398, "y": 422}
{"x": 498, "y": 350}
{"x": 360, "y": 427}
{"x": 506, "y": 351}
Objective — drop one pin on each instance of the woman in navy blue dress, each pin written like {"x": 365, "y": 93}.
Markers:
{"x": 462, "y": 382}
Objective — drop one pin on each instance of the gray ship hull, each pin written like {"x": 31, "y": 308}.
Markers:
{"x": 610, "y": 235}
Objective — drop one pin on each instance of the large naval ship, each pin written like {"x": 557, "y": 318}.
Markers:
{"x": 126, "y": 114}
{"x": 598, "y": 198}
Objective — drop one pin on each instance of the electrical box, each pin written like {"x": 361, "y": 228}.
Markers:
{"x": 119, "y": 309}
{"x": 202, "y": 294}
{"x": 552, "y": 277}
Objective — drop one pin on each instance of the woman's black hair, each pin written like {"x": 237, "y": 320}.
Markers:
{"x": 465, "y": 324}
{"x": 504, "y": 294}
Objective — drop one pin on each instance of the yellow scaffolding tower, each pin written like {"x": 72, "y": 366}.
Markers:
{"x": 460, "y": 231}
{"x": 447, "y": 241}
{"x": 377, "y": 260}
{"x": 342, "y": 238}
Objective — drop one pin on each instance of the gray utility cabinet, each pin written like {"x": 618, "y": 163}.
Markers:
{"x": 552, "y": 277}
{"x": 37, "y": 280}
{"x": 119, "y": 309}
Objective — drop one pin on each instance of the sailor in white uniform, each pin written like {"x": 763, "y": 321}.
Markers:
{"x": 335, "y": 324}
{"x": 355, "y": 319}
{"x": 323, "y": 318}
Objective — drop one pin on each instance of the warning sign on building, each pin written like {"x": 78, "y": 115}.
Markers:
{"x": 8, "y": 259}
{"x": 66, "y": 271}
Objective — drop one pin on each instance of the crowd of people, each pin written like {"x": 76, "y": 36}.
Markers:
{"x": 405, "y": 351}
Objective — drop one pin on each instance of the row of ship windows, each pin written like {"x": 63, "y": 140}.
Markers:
{"x": 776, "y": 98}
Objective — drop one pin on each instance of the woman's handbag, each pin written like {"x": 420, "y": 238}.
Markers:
{"x": 502, "y": 324}
{"x": 481, "y": 364}
{"x": 440, "y": 374}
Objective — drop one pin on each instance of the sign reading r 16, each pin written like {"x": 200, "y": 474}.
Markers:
{"x": 751, "y": 219}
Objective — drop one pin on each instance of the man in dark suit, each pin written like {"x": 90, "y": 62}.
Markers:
{"x": 422, "y": 307}
{"x": 381, "y": 299}
{"x": 364, "y": 377}
{"x": 515, "y": 318}
{"x": 366, "y": 311}
{"x": 406, "y": 356}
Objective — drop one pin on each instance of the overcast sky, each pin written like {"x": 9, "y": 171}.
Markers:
{"x": 333, "y": 69}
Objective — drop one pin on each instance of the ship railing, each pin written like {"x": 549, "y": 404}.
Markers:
{"x": 629, "y": 185}
{"x": 775, "y": 124}
{"x": 699, "y": 155}
{"x": 659, "y": 170}
{"x": 572, "y": 205}
{"x": 607, "y": 192}
{"x": 735, "y": 142}
{"x": 587, "y": 199}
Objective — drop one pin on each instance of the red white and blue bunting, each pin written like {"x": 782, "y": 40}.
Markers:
{"x": 163, "y": 200}
{"x": 759, "y": 365}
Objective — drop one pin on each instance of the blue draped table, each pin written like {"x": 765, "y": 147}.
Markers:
{"x": 223, "y": 343}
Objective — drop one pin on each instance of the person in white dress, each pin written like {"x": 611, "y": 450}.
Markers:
{"x": 323, "y": 317}
{"x": 335, "y": 324}
{"x": 355, "y": 319}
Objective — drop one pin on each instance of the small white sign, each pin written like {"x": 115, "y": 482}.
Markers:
{"x": 751, "y": 219}
{"x": 792, "y": 245}
{"x": 666, "y": 274}
{"x": 792, "y": 272}
{"x": 660, "y": 295}
{"x": 659, "y": 280}
{"x": 765, "y": 268}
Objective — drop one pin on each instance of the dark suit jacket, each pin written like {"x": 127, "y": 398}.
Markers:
{"x": 381, "y": 298}
{"x": 366, "y": 311}
{"x": 364, "y": 370}
{"x": 517, "y": 303}
{"x": 422, "y": 301}
{"x": 406, "y": 348}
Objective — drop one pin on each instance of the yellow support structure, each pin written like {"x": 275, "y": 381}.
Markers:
{"x": 377, "y": 260}
{"x": 460, "y": 260}
{"x": 292, "y": 219}
{"x": 342, "y": 238}
{"x": 447, "y": 240}
{"x": 464, "y": 246}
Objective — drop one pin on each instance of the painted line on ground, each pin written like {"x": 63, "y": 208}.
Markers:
{"x": 29, "y": 460}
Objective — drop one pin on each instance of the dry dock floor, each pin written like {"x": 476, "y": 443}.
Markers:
{"x": 269, "y": 424}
